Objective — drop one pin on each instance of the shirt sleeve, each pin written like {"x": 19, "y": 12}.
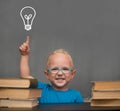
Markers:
{"x": 79, "y": 98}
{"x": 41, "y": 84}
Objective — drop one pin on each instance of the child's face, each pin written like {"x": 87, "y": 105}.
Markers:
{"x": 60, "y": 79}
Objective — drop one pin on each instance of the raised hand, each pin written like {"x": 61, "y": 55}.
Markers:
{"x": 25, "y": 47}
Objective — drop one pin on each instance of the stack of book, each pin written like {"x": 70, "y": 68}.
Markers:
{"x": 105, "y": 93}
{"x": 19, "y": 93}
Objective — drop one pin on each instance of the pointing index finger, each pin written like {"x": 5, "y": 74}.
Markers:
{"x": 28, "y": 40}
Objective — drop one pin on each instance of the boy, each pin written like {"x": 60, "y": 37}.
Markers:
{"x": 59, "y": 71}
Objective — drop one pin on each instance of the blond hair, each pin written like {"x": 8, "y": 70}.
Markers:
{"x": 63, "y": 51}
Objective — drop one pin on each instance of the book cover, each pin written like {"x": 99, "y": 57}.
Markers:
{"x": 18, "y": 103}
{"x": 106, "y": 85}
{"x": 18, "y": 83}
{"x": 19, "y": 93}
{"x": 106, "y": 95}
{"x": 105, "y": 102}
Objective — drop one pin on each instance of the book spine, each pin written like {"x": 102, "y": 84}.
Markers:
{"x": 33, "y": 83}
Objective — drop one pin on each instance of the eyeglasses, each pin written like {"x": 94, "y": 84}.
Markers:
{"x": 64, "y": 70}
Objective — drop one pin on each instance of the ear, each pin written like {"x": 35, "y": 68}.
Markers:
{"x": 73, "y": 73}
{"x": 46, "y": 74}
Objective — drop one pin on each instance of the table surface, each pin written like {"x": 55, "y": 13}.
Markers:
{"x": 63, "y": 107}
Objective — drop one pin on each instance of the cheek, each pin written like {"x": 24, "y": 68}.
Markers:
{"x": 48, "y": 76}
{"x": 70, "y": 77}
{"x": 51, "y": 77}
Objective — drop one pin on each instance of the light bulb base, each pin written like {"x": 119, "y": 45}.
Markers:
{"x": 27, "y": 27}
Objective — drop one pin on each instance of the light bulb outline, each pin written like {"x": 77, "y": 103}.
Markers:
{"x": 28, "y": 26}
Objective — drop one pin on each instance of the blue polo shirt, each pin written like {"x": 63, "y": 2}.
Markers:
{"x": 50, "y": 95}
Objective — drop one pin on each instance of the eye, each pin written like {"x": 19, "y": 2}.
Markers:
{"x": 65, "y": 68}
{"x": 55, "y": 68}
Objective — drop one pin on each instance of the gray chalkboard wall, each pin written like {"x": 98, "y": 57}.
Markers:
{"x": 88, "y": 29}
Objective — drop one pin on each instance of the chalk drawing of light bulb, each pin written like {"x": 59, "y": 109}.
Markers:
{"x": 28, "y": 14}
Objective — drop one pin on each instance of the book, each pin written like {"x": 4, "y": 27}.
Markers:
{"x": 106, "y": 94}
{"x": 19, "y": 93}
{"x": 18, "y": 103}
{"x": 105, "y": 102}
{"x": 18, "y": 83}
{"x": 106, "y": 85}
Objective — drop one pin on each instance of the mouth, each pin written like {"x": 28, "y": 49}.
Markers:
{"x": 60, "y": 78}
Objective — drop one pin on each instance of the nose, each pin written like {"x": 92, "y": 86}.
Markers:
{"x": 60, "y": 73}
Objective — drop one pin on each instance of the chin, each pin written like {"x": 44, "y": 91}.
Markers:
{"x": 60, "y": 85}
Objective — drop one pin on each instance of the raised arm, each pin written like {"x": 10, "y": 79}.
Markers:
{"x": 24, "y": 60}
